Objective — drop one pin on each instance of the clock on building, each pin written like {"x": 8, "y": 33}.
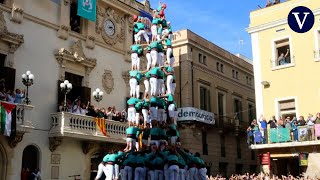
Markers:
{"x": 109, "y": 27}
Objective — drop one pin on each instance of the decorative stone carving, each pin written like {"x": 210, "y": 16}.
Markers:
{"x": 13, "y": 141}
{"x": 101, "y": 13}
{"x": 17, "y": 15}
{"x": 119, "y": 22}
{"x": 75, "y": 55}
{"x": 63, "y": 32}
{"x": 146, "y": 5}
{"x": 87, "y": 146}
{"x": 107, "y": 81}
{"x": 90, "y": 42}
{"x": 54, "y": 142}
{"x": 66, "y": 2}
{"x": 14, "y": 40}
{"x": 126, "y": 77}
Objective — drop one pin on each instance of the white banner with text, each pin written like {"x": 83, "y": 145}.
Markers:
{"x": 194, "y": 114}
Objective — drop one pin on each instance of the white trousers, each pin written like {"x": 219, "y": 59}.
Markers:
{"x": 158, "y": 175}
{"x": 173, "y": 140}
{"x": 141, "y": 32}
{"x": 170, "y": 87}
{"x": 154, "y": 57}
{"x": 165, "y": 172}
{"x": 137, "y": 91}
{"x": 137, "y": 118}
{"x": 170, "y": 36}
{"x": 131, "y": 114}
{"x": 154, "y": 113}
{"x": 149, "y": 60}
{"x": 145, "y": 115}
{"x": 161, "y": 59}
{"x": 146, "y": 86}
{"x": 160, "y": 115}
{"x": 182, "y": 174}
{"x": 173, "y": 172}
{"x": 110, "y": 171}
{"x": 193, "y": 174}
{"x": 139, "y": 173}
{"x": 132, "y": 143}
{"x": 153, "y": 86}
{"x": 160, "y": 88}
{"x": 171, "y": 110}
{"x": 174, "y": 85}
{"x": 116, "y": 171}
{"x": 126, "y": 173}
{"x": 165, "y": 32}
{"x": 165, "y": 117}
{"x": 135, "y": 60}
{"x": 154, "y": 30}
{"x": 202, "y": 173}
{"x": 133, "y": 86}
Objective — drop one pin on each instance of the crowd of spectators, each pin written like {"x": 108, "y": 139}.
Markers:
{"x": 260, "y": 127}
{"x": 82, "y": 108}
{"x": 10, "y": 96}
{"x": 260, "y": 176}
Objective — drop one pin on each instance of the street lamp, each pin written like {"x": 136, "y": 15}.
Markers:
{"x": 27, "y": 80}
{"x": 97, "y": 95}
{"x": 65, "y": 88}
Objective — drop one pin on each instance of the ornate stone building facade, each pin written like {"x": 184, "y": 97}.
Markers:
{"x": 212, "y": 79}
{"x": 49, "y": 39}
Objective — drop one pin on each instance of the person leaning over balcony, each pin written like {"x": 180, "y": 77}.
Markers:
{"x": 294, "y": 128}
{"x": 76, "y": 106}
{"x": 317, "y": 120}
{"x": 310, "y": 134}
{"x": 280, "y": 123}
{"x": 273, "y": 122}
{"x": 263, "y": 129}
{"x": 282, "y": 58}
{"x": 84, "y": 108}
{"x": 301, "y": 121}
{"x": 288, "y": 126}
{"x": 11, "y": 96}
{"x": 3, "y": 94}
{"x": 19, "y": 96}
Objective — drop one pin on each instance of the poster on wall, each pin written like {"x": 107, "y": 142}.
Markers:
{"x": 302, "y": 133}
{"x": 303, "y": 159}
{"x": 317, "y": 131}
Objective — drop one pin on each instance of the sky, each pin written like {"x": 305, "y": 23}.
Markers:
{"x": 219, "y": 21}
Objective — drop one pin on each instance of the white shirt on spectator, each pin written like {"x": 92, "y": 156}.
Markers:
{"x": 84, "y": 111}
{"x": 10, "y": 99}
{"x": 310, "y": 123}
{"x": 76, "y": 109}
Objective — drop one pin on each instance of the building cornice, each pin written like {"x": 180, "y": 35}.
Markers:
{"x": 122, "y": 6}
{"x": 179, "y": 43}
{"x": 56, "y": 27}
{"x": 273, "y": 24}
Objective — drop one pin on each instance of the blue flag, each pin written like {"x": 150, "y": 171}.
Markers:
{"x": 87, "y": 9}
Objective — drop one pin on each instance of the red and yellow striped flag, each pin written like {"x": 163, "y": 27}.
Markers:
{"x": 101, "y": 124}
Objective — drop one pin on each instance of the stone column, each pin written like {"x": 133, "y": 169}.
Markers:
{"x": 64, "y": 29}
{"x": 186, "y": 78}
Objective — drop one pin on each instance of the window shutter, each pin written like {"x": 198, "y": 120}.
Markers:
{"x": 209, "y": 101}
{"x": 9, "y": 75}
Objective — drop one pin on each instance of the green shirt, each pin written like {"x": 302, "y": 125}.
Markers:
{"x": 159, "y": 30}
{"x": 139, "y": 76}
{"x": 148, "y": 74}
{"x": 154, "y": 44}
{"x": 106, "y": 158}
{"x": 113, "y": 157}
{"x": 163, "y": 134}
{"x": 158, "y": 163}
{"x": 161, "y": 74}
{"x": 154, "y": 100}
{"x": 162, "y": 102}
{"x": 172, "y": 157}
{"x": 138, "y": 106}
{"x": 136, "y": 47}
{"x": 145, "y": 103}
{"x": 169, "y": 69}
{"x": 170, "y": 98}
{"x": 155, "y": 71}
{"x": 133, "y": 101}
{"x": 170, "y": 29}
{"x": 146, "y": 134}
{"x": 168, "y": 42}
{"x": 135, "y": 28}
{"x": 160, "y": 47}
{"x": 140, "y": 25}
{"x": 164, "y": 23}
{"x": 155, "y": 20}
{"x": 154, "y": 131}
{"x": 133, "y": 73}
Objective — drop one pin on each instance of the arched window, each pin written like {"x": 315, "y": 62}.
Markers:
{"x": 30, "y": 158}
{"x": 3, "y": 162}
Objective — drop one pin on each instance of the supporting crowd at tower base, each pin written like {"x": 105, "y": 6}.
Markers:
{"x": 153, "y": 146}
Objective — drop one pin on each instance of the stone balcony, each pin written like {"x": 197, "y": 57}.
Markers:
{"x": 23, "y": 123}
{"x": 84, "y": 128}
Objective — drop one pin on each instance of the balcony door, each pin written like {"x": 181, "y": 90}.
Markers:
{"x": 30, "y": 158}
{"x": 95, "y": 161}
{"x": 7, "y": 74}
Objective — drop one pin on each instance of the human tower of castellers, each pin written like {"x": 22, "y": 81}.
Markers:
{"x": 153, "y": 149}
